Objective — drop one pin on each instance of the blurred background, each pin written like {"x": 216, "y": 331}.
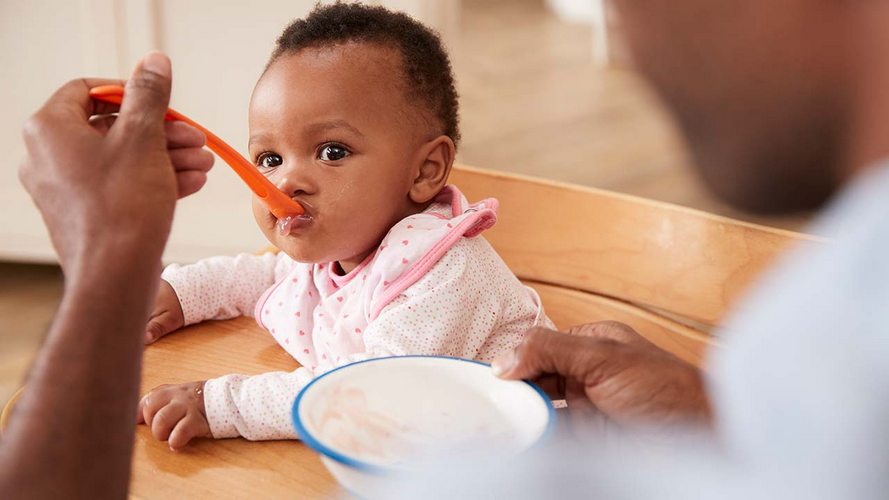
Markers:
{"x": 546, "y": 90}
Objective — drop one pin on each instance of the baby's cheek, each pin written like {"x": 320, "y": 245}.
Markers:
{"x": 312, "y": 245}
{"x": 259, "y": 210}
{"x": 262, "y": 217}
{"x": 362, "y": 232}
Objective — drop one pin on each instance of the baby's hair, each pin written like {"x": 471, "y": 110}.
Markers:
{"x": 426, "y": 66}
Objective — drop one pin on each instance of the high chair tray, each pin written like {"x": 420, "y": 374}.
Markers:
{"x": 227, "y": 468}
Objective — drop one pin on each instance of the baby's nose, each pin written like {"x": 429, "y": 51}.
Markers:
{"x": 291, "y": 181}
{"x": 286, "y": 184}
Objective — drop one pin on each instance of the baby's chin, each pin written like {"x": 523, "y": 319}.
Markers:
{"x": 300, "y": 252}
{"x": 302, "y": 246}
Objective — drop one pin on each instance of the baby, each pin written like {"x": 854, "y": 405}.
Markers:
{"x": 355, "y": 117}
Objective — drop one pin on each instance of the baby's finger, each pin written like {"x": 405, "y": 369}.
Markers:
{"x": 191, "y": 426}
{"x": 140, "y": 418}
{"x": 187, "y": 159}
{"x": 183, "y": 135}
{"x": 165, "y": 421}
{"x": 152, "y": 402}
{"x": 159, "y": 326}
{"x": 154, "y": 330}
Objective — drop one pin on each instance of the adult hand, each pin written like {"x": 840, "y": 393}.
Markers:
{"x": 107, "y": 192}
{"x": 611, "y": 369}
{"x": 100, "y": 185}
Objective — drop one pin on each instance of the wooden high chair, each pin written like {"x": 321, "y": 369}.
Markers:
{"x": 669, "y": 272}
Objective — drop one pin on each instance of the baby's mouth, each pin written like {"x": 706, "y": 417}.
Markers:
{"x": 293, "y": 222}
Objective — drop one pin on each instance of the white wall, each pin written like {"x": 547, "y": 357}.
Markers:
{"x": 218, "y": 49}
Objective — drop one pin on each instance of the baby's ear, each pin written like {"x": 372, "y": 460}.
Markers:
{"x": 436, "y": 160}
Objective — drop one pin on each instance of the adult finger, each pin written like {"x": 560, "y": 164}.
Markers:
{"x": 72, "y": 100}
{"x": 147, "y": 96}
{"x": 102, "y": 123}
{"x": 178, "y": 134}
{"x": 613, "y": 330}
{"x": 190, "y": 182}
{"x": 546, "y": 352}
{"x": 182, "y": 135}
{"x": 552, "y": 385}
{"x": 166, "y": 419}
{"x": 584, "y": 420}
{"x": 197, "y": 159}
{"x": 69, "y": 105}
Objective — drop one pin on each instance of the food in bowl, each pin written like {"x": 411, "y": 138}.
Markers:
{"x": 374, "y": 419}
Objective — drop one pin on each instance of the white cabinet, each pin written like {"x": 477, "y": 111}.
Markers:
{"x": 218, "y": 49}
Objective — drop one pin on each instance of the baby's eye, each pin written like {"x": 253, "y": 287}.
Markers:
{"x": 333, "y": 152}
{"x": 269, "y": 160}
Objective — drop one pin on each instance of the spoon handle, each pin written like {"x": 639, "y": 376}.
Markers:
{"x": 281, "y": 205}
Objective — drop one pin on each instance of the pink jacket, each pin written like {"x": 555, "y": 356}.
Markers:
{"x": 432, "y": 287}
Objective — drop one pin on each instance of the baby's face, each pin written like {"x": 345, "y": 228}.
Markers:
{"x": 330, "y": 127}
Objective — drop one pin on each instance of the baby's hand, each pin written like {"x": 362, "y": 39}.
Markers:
{"x": 175, "y": 413}
{"x": 166, "y": 316}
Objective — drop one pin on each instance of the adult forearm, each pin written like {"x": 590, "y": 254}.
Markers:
{"x": 107, "y": 193}
{"x": 72, "y": 435}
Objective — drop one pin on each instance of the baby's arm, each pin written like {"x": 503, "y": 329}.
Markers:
{"x": 257, "y": 407}
{"x": 469, "y": 306}
{"x": 224, "y": 287}
{"x": 214, "y": 288}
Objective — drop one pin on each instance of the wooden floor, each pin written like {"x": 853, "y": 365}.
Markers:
{"x": 532, "y": 102}
{"x": 29, "y": 295}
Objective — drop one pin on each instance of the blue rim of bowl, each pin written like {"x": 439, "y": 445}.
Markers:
{"x": 361, "y": 465}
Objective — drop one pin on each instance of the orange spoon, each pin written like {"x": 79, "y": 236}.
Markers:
{"x": 281, "y": 205}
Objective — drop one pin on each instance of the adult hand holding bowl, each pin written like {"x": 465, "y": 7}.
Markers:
{"x": 376, "y": 420}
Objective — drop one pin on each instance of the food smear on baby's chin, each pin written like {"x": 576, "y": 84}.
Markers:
{"x": 291, "y": 222}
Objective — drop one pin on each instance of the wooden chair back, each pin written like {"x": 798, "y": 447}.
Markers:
{"x": 670, "y": 272}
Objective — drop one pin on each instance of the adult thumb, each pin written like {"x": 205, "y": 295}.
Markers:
{"x": 147, "y": 96}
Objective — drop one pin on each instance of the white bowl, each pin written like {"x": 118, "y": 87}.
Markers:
{"x": 376, "y": 420}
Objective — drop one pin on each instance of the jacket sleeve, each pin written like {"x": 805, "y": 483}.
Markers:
{"x": 224, "y": 287}
{"x": 466, "y": 306}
